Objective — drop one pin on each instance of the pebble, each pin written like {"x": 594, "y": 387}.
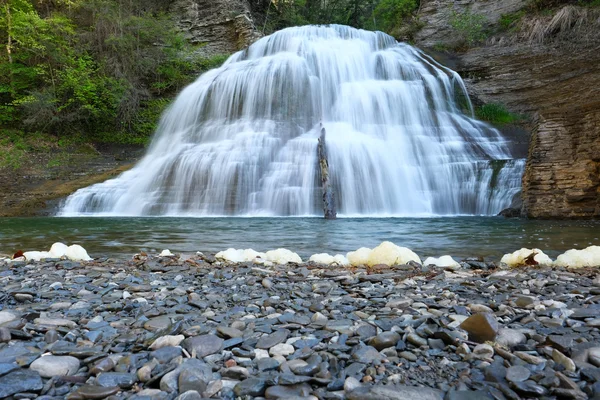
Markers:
{"x": 191, "y": 328}
{"x": 51, "y": 366}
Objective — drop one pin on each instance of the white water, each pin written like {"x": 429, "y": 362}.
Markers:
{"x": 242, "y": 139}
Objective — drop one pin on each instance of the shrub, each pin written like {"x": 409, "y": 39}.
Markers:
{"x": 496, "y": 114}
{"x": 468, "y": 26}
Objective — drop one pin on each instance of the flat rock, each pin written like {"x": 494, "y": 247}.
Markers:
{"x": 273, "y": 339}
{"x": 19, "y": 381}
{"x": 50, "y": 366}
{"x": 204, "y": 345}
{"x": 481, "y": 327}
{"x": 394, "y": 392}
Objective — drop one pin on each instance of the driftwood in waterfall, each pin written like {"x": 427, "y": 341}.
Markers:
{"x": 328, "y": 195}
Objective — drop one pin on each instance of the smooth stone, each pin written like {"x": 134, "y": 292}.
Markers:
{"x": 583, "y": 313}
{"x": 267, "y": 364}
{"x": 55, "y": 322}
{"x": 366, "y": 354}
{"x": 7, "y": 316}
{"x": 416, "y": 340}
{"x": 204, "y": 345}
{"x": 121, "y": 379}
{"x": 229, "y": 332}
{"x": 408, "y": 355}
{"x": 480, "y": 308}
{"x": 50, "y": 366}
{"x": 250, "y": 387}
{"x": 19, "y": 381}
{"x": 468, "y": 395}
{"x": 192, "y": 379}
{"x": 167, "y": 341}
{"x": 166, "y": 354}
{"x": 517, "y": 373}
{"x": 286, "y": 392}
{"x": 560, "y": 342}
{"x": 189, "y": 395}
{"x": 483, "y": 351}
{"x": 481, "y": 327}
{"x": 273, "y": 339}
{"x": 158, "y": 323}
{"x": 282, "y": 349}
{"x": 5, "y": 335}
{"x": 170, "y": 381}
{"x": 96, "y": 392}
{"x": 385, "y": 340}
{"x": 393, "y": 392}
{"x": 400, "y": 303}
{"x": 563, "y": 360}
{"x": 529, "y": 388}
{"x": 524, "y": 301}
{"x": 509, "y": 337}
{"x": 594, "y": 356}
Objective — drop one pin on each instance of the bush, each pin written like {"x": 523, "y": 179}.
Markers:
{"x": 496, "y": 114}
{"x": 469, "y": 27}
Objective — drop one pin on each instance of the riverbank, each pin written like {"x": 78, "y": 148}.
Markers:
{"x": 34, "y": 183}
{"x": 189, "y": 327}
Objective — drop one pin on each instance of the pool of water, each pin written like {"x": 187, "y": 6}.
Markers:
{"x": 488, "y": 237}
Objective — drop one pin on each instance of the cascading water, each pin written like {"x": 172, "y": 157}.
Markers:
{"x": 242, "y": 139}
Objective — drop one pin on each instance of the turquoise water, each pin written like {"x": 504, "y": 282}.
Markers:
{"x": 489, "y": 237}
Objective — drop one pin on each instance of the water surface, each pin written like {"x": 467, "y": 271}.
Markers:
{"x": 489, "y": 237}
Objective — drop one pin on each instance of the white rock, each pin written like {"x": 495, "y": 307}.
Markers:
{"x": 390, "y": 254}
{"x": 260, "y": 353}
{"x": 58, "y": 250}
{"x": 6, "y": 316}
{"x": 166, "y": 253}
{"x": 77, "y": 253}
{"x": 386, "y": 253}
{"x": 36, "y": 255}
{"x": 359, "y": 257}
{"x": 483, "y": 351}
{"x": 282, "y": 256}
{"x": 442, "y": 262}
{"x": 50, "y": 366}
{"x": 282, "y": 349}
{"x": 168, "y": 340}
{"x": 588, "y": 257}
{"x": 239, "y": 256}
{"x": 517, "y": 259}
{"x": 326, "y": 259}
{"x": 55, "y": 322}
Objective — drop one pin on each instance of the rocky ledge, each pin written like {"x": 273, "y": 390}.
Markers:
{"x": 189, "y": 327}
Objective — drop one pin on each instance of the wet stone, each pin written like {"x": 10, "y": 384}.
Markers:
{"x": 481, "y": 327}
{"x": 517, "y": 373}
{"x": 19, "y": 381}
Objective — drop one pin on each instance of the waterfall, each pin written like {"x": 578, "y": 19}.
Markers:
{"x": 242, "y": 139}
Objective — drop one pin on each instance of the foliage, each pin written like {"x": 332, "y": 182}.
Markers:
{"x": 385, "y": 15}
{"x": 469, "y": 26}
{"x": 496, "y": 114}
{"x": 94, "y": 69}
{"x": 510, "y": 21}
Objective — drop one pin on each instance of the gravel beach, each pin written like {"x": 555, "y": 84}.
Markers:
{"x": 188, "y": 327}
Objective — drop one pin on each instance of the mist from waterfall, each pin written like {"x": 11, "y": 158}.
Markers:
{"x": 242, "y": 139}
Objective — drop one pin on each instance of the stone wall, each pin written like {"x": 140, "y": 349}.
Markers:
{"x": 554, "y": 80}
{"x": 562, "y": 177}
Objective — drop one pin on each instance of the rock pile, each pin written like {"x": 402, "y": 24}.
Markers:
{"x": 192, "y": 327}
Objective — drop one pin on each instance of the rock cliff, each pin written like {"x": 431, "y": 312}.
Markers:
{"x": 547, "y": 67}
{"x": 220, "y": 26}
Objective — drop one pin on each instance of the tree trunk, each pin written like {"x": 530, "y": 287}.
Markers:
{"x": 328, "y": 195}
{"x": 8, "y": 30}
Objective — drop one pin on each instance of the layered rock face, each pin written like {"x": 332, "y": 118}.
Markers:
{"x": 562, "y": 177}
{"x": 550, "y": 70}
{"x": 220, "y": 26}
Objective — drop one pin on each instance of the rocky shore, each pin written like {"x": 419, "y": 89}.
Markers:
{"x": 190, "y": 327}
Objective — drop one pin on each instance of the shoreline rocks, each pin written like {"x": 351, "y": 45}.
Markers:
{"x": 191, "y": 327}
